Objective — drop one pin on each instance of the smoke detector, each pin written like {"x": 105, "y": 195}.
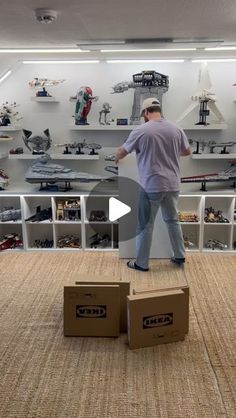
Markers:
{"x": 45, "y": 15}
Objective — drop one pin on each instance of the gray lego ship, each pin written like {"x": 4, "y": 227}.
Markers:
{"x": 48, "y": 174}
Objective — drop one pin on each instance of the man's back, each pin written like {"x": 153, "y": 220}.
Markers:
{"x": 158, "y": 145}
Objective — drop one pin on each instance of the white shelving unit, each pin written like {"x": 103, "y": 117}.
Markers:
{"x": 199, "y": 233}
{"x": 54, "y": 229}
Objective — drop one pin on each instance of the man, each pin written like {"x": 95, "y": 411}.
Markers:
{"x": 158, "y": 144}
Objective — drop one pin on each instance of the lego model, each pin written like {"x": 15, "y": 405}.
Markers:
{"x": 97, "y": 216}
{"x": 145, "y": 84}
{"x": 69, "y": 241}
{"x": 215, "y": 244}
{"x": 8, "y": 214}
{"x": 44, "y": 172}
{"x": 41, "y": 215}
{"x": 45, "y": 243}
{"x": 106, "y": 109}
{"x": 8, "y": 114}
{"x": 4, "y": 180}
{"x": 203, "y": 99}
{"x": 112, "y": 169}
{"x": 10, "y": 241}
{"x": 201, "y": 145}
{"x": 38, "y": 144}
{"x": 214, "y": 216}
{"x": 110, "y": 157}
{"x": 188, "y": 217}
{"x": 100, "y": 241}
{"x": 16, "y": 151}
{"x": 187, "y": 243}
{"x": 40, "y": 85}
{"x": 84, "y": 99}
{"x": 234, "y": 245}
{"x": 68, "y": 210}
{"x": 223, "y": 176}
{"x": 79, "y": 146}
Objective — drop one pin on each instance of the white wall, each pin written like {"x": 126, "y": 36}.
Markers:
{"x": 101, "y": 77}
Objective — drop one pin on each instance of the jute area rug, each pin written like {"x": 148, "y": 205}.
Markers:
{"x": 45, "y": 375}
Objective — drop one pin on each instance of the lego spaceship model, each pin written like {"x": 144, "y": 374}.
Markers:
{"x": 145, "y": 84}
{"x": 84, "y": 98}
{"x": 38, "y": 145}
{"x": 205, "y": 101}
{"x": 9, "y": 115}
{"x": 42, "y": 84}
{"x": 47, "y": 174}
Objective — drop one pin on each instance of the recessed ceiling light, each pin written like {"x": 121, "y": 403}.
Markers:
{"x": 149, "y": 50}
{"x": 40, "y": 50}
{"x": 61, "y": 62}
{"x": 142, "y": 61}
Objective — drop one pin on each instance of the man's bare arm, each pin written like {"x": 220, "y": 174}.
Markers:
{"x": 120, "y": 153}
{"x": 186, "y": 152}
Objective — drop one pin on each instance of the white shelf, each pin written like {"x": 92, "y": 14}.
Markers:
{"x": 54, "y": 157}
{"x": 44, "y": 99}
{"x": 217, "y": 126}
{"x": 3, "y": 155}
{"x": 67, "y": 222}
{"x": 213, "y": 156}
{"x": 10, "y": 128}
{"x": 74, "y": 157}
{"x": 102, "y": 127}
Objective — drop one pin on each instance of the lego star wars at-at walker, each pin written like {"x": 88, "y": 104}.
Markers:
{"x": 145, "y": 84}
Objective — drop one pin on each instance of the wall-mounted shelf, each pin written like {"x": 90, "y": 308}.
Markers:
{"x": 213, "y": 156}
{"x": 54, "y": 157}
{"x": 212, "y": 127}
{"x": 102, "y": 127}
{"x": 45, "y": 99}
{"x": 10, "y": 128}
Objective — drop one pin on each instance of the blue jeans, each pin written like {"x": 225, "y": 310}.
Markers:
{"x": 149, "y": 205}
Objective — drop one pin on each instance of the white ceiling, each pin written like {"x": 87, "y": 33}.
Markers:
{"x": 84, "y": 20}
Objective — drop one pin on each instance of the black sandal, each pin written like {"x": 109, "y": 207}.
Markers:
{"x": 132, "y": 265}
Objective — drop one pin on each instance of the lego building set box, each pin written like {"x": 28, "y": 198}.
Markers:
{"x": 157, "y": 317}
{"x": 92, "y": 310}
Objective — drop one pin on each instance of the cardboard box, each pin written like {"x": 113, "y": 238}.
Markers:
{"x": 184, "y": 288}
{"x": 124, "y": 292}
{"x": 156, "y": 318}
{"x": 92, "y": 310}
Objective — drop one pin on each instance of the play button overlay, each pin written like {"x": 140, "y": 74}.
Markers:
{"x": 113, "y": 210}
{"x": 117, "y": 209}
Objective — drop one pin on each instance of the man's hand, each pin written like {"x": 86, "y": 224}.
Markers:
{"x": 120, "y": 153}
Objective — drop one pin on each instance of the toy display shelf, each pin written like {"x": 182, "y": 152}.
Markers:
{"x": 44, "y": 99}
{"x": 102, "y": 127}
{"x": 55, "y": 157}
{"x": 214, "y": 156}
{"x": 198, "y": 233}
{"x": 54, "y": 229}
{"x": 217, "y": 126}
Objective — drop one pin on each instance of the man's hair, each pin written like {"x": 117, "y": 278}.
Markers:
{"x": 153, "y": 109}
